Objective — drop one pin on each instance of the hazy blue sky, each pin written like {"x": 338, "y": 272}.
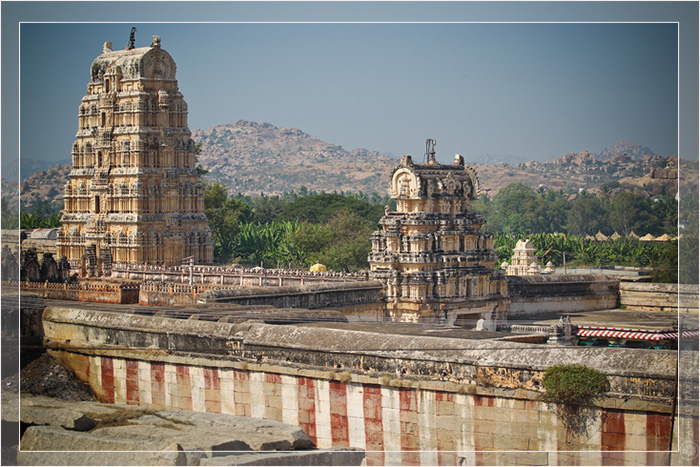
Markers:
{"x": 531, "y": 90}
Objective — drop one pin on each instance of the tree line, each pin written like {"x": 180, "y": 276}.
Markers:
{"x": 300, "y": 228}
{"x": 295, "y": 229}
{"x": 520, "y": 208}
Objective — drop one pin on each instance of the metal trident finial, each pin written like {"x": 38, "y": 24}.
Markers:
{"x": 132, "y": 39}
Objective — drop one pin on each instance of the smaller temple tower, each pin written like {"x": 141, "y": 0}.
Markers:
{"x": 437, "y": 263}
{"x": 524, "y": 261}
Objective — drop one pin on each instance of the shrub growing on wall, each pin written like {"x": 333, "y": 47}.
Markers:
{"x": 573, "y": 384}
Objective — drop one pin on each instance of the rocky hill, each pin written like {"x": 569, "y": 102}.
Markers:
{"x": 254, "y": 157}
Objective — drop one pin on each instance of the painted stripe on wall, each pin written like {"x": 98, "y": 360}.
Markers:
{"x": 182, "y": 392}
{"x": 465, "y": 437}
{"x": 132, "y": 382}
{"x": 212, "y": 390}
{"x": 257, "y": 399}
{"x": 242, "y": 392}
{"x": 119, "y": 368}
{"x": 408, "y": 417}
{"x": 107, "y": 379}
{"x": 356, "y": 416}
{"x": 290, "y": 402}
{"x": 159, "y": 389}
{"x": 306, "y": 398}
{"x": 324, "y": 438}
{"x": 374, "y": 437}
{"x": 339, "y": 414}
{"x": 427, "y": 432}
{"x": 145, "y": 383}
{"x": 273, "y": 396}
{"x": 197, "y": 388}
{"x": 228, "y": 401}
{"x": 391, "y": 425}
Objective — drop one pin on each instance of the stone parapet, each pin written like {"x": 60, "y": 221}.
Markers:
{"x": 673, "y": 298}
{"x": 404, "y": 399}
{"x": 634, "y": 373}
{"x": 121, "y": 293}
{"x": 560, "y": 293}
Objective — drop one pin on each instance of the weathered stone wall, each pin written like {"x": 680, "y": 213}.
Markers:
{"x": 84, "y": 292}
{"x": 311, "y": 295}
{"x": 673, "y": 298}
{"x": 231, "y": 276}
{"x": 306, "y": 296}
{"x": 562, "y": 293}
{"x": 405, "y": 399}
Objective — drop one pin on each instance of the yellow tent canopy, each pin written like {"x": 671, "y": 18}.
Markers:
{"x": 318, "y": 267}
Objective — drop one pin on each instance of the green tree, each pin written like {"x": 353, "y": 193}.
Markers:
{"x": 10, "y": 219}
{"x": 629, "y": 212}
{"x": 511, "y": 209}
{"x": 225, "y": 216}
{"x": 586, "y": 216}
{"x": 266, "y": 208}
{"x": 321, "y": 207}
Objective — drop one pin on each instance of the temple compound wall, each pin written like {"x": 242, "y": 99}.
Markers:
{"x": 431, "y": 252}
{"x": 410, "y": 400}
{"x": 134, "y": 195}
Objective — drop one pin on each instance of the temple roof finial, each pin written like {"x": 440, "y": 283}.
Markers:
{"x": 132, "y": 39}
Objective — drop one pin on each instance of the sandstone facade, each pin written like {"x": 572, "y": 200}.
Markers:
{"x": 431, "y": 252}
{"x": 134, "y": 195}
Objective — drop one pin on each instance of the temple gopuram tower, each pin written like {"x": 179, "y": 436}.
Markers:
{"x": 436, "y": 262}
{"x": 134, "y": 195}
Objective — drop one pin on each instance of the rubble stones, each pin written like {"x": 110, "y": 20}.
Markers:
{"x": 80, "y": 433}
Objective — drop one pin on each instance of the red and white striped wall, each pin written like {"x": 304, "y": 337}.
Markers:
{"x": 395, "y": 425}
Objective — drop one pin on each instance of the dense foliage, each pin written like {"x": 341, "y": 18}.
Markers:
{"x": 519, "y": 208}
{"x": 42, "y": 214}
{"x": 301, "y": 228}
{"x": 573, "y": 384}
{"x": 296, "y": 229}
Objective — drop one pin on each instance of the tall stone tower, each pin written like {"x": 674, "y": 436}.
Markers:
{"x": 134, "y": 195}
{"x": 437, "y": 263}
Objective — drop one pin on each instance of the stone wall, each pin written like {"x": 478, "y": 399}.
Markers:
{"x": 306, "y": 296}
{"x": 120, "y": 293}
{"x": 561, "y": 293}
{"x": 231, "y": 276}
{"x": 673, "y": 298}
{"x": 405, "y": 399}
{"x": 311, "y": 295}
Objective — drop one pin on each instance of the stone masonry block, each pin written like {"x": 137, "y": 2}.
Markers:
{"x": 327, "y": 457}
{"x": 46, "y": 438}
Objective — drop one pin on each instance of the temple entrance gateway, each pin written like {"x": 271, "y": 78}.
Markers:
{"x": 134, "y": 190}
{"x": 431, "y": 252}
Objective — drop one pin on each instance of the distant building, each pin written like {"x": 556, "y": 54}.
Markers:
{"x": 431, "y": 251}
{"x": 524, "y": 261}
{"x": 134, "y": 195}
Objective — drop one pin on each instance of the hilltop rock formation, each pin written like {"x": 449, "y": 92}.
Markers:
{"x": 252, "y": 157}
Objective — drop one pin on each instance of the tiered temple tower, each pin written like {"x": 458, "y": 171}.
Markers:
{"x": 134, "y": 195}
{"x": 437, "y": 263}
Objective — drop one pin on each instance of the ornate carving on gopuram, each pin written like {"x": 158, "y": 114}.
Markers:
{"x": 134, "y": 195}
{"x": 432, "y": 253}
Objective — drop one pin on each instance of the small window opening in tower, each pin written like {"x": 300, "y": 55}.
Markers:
{"x": 107, "y": 85}
{"x": 104, "y": 119}
{"x": 97, "y": 204}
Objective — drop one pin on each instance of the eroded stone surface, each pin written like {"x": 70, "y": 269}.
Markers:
{"x": 141, "y": 436}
